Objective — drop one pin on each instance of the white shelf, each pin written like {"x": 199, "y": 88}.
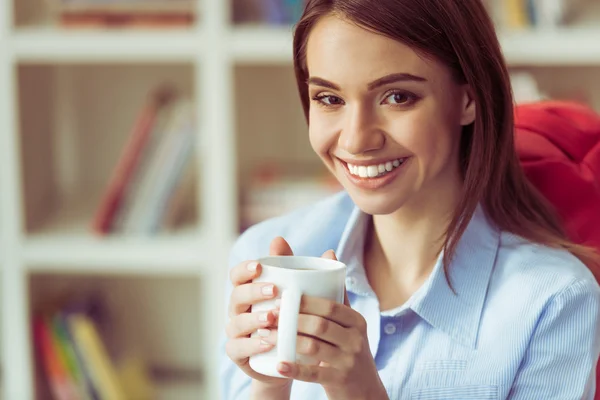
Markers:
{"x": 48, "y": 44}
{"x": 266, "y": 45}
{"x": 559, "y": 47}
{"x": 178, "y": 255}
{"x": 256, "y": 44}
{"x": 567, "y": 46}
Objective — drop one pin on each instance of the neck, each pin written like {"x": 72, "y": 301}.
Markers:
{"x": 408, "y": 242}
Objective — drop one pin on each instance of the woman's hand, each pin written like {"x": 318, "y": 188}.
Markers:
{"x": 336, "y": 336}
{"x": 240, "y": 346}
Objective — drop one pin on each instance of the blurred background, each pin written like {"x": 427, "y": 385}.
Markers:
{"x": 138, "y": 138}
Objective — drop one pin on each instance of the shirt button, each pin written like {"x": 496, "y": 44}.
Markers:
{"x": 350, "y": 281}
{"x": 389, "y": 329}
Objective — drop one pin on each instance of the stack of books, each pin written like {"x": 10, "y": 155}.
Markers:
{"x": 77, "y": 365}
{"x": 273, "y": 190}
{"x": 523, "y": 14}
{"x": 124, "y": 13}
{"x": 152, "y": 186}
{"x": 271, "y": 12}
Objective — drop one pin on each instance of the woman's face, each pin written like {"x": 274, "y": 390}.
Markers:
{"x": 386, "y": 121}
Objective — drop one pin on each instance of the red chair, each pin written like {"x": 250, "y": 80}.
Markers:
{"x": 559, "y": 148}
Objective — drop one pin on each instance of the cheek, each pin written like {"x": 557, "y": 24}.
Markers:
{"x": 321, "y": 133}
{"x": 426, "y": 135}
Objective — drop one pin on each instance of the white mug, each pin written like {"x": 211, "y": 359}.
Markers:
{"x": 294, "y": 276}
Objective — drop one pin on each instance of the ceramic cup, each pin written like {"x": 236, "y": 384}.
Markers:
{"x": 294, "y": 276}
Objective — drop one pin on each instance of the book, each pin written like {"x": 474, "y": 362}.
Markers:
{"x": 132, "y": 197}
{"x": 156, "y": 173}
{"x": 60, "y": 382}
{"x": 113, "y": 20}
{"x": 73, "y": 359}
{"x": 95, "y": 357}
{"x": 113, "y": 194}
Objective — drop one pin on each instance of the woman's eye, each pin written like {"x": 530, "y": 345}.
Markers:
{"x": 400, "y": 98}
{"x": 328, "y": 100}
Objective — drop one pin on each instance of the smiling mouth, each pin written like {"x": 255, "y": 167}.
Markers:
{"x": 375, "y": 170}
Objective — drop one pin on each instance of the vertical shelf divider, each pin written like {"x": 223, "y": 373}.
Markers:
{"x": 217, "y": 169}
{"x": 17, "y": 355}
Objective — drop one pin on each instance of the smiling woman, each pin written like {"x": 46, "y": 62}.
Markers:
{"x": 461, "y": 281}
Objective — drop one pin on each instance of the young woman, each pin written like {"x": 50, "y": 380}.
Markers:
{"x": 461, "y": 283}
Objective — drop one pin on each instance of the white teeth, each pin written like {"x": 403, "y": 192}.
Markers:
{"x": 372, "y": 171}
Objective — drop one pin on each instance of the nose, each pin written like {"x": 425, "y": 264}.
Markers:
{"x": 360, "y": 133}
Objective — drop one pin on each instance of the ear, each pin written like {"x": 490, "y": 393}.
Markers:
{"x": 469, "y": 108}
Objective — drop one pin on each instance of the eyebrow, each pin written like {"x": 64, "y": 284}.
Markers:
{"x": 386, "y": 80}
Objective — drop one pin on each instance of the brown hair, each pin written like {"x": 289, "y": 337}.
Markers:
{"x": 460, "y": 34}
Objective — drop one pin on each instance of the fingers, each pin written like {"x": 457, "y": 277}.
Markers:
{"x": 338, "y": 313}
{"x": 279, "y": 247}
{"x": 326, "y": 330}
{"x": 329, "y": 254}
{"x": 239, "y": 350}
{"x": 244, "y": 296}
{"x": 244, "y": 324}
{"x": 244, "y": 272}
{"x": 314, "y": 348}
{"x": 310, "y": 373}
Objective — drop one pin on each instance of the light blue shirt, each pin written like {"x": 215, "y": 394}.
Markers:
{"x": 524, "y": 323}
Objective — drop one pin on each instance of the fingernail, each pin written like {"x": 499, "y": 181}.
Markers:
{"x": 252, "y": 266}
{"x": 278, "y": 303}
{"x": 275, "y": 312}
{"x": 264, "y": 317}
{"x": 267, "y": 290}
{"x": 284, "y": 368}
{"x": 264, "y": 332}
{"x": 264, "y": 343}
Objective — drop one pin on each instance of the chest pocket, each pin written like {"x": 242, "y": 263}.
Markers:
{"x": 471, "y": 392}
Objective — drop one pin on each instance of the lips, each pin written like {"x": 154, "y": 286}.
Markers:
{"x": 368, "y": 177}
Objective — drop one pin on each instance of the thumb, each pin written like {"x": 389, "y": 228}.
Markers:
{"x": 279, "y": 247}
{"x": 329, "y": 254}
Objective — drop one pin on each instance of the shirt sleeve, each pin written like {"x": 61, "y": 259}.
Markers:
{"x": 560, "y": 361}
{"x": 234, "y": 384}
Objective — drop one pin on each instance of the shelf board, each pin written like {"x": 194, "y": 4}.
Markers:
{"x": 255, "y": 44}
{"x": 50, "y": 44}
{"x": 65, "y": 243}
{"x": 259, "y": 44}
{"x": 176, "y": 255}
{"x": 560, "y": 47}
{"x": 566, "y": 46}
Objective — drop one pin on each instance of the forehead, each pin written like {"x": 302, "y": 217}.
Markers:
{"x": 346, "y": 53}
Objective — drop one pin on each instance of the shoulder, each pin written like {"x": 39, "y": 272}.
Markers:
{"x": 310, "y": 230}
{"x": 540, "y": 272}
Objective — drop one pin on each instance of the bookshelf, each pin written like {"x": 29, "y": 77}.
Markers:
{"x": 61, "y": 131}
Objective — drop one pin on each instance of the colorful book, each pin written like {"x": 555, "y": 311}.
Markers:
{"x": 154, "y": 174}
{"x": 113, "y": 195}
{"x": 57, "y": 375}
{"x": 517, "y": 14}
{"x": 133, "y": 195}
{"x": 95, "y": 357}
{"x": 73, "y": 360}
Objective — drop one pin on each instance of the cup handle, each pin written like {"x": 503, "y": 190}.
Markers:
{"x": 288, "y": 325}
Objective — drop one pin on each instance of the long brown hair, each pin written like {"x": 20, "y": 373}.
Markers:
{"x": 460, "y": 34}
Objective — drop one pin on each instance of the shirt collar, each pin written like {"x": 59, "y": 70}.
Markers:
{"x": 458, "y": 315}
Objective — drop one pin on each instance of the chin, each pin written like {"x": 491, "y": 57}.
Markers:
{"x": 376, "y": 204}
